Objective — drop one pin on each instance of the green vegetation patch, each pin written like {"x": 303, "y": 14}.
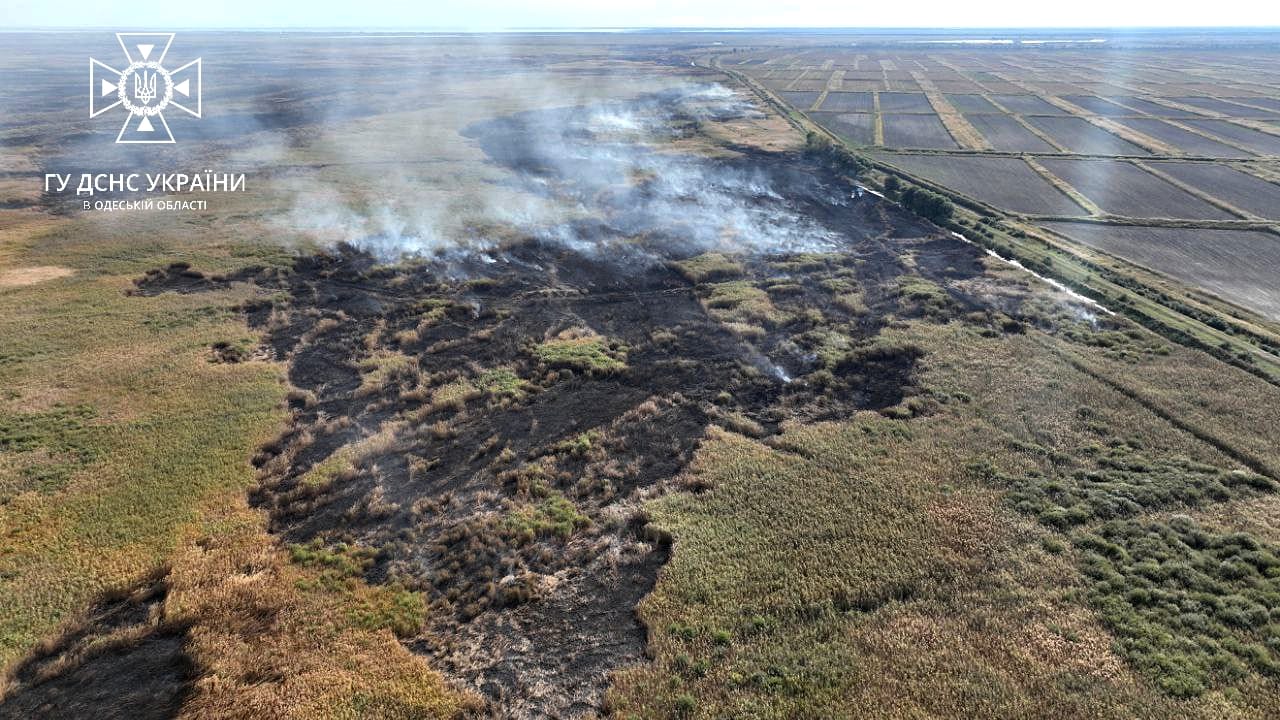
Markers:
{"x": 709, "y": 266}
{"x": 339, "y": 569}
{"x": 380, "y": 370}
{"x": 1191, "y": 608}
{"x": 502, "y": 382}
{"x": 592, "y": 353}
{"x": 928, "y": 296}
{"x": 63, "y": 438}
{"x": 555, "y": 516}
{"x": 795, "y": 545}
{"x": 739, "y": 301}
{"x": 1124, "y": 482}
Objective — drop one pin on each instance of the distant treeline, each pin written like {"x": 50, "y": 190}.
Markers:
{"x": 837, "y": 157}
{"x": 924, "y": 203}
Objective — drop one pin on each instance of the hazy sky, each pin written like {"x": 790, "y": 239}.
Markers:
{"x": 498, "y": 14}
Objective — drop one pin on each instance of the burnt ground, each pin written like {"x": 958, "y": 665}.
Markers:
{"x": 122, "y": 660}
{"x": 514, "y": 506}
{"x": 437, "y": 430}
{"x": 461, "y": 501}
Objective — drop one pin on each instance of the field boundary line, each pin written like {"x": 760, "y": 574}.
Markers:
{"x": 965, "y": 134}
{"x": 1260, "y": 125}
{"x": 877, "y": 123}
{"x": 1259, "y": 172}
{"x": 1174, "y": 104}
{"x": 1209, "y": 136}
{"x": 1017, "y": 117}
{"x": 1243, "y": 457}
{"x": 1236, "y": 101}
{"x": 792, "y": 85}
{"x": 1220, "y": 204}
{"x": 1065, "y": 187}
{"x": 836, "y": 81}
{"x": 1127, "y": 134}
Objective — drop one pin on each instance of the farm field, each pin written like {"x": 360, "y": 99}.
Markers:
{"x": 1239, "y": 265}
{"x": 848, "y": 102}
{"x": 800, "y": 99}
{"x": 1098, "y": 105}
{"x": 1080, "y": 136}
{"x": 1154, "y": 109}
{"x": 1241, "y": 189}
{"x": 898, "y": 102}
{"x": 1184, "y": 140}
{"x": 857, "y": 128}
{"x": 916, "y": 131}
{"x": 1121, "y": 188}
{"x": 972, "y": 104}
{"x": 1225, "y": 107}
{"x": 1006, "y": 133}
{"x": 1027, "y": 105}
{"x": 1002, "y": 181}
{"x": 1255, "y": 140}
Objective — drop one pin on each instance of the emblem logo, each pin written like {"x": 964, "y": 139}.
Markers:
{"x": 145, "y": 88}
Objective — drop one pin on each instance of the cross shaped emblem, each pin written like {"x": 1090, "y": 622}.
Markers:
{"x": 145, "y": 88}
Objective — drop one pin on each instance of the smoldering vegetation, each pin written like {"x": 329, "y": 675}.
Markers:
{"x": 480, "y": 426}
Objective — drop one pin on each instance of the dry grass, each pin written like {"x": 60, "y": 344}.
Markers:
{"x": 862, "y": 569}
{"x": 159, "y": 479}
{"x": 19, "y": 277}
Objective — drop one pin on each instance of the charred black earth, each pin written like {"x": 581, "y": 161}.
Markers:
{"x": 123, "y": 659}
{"x": 484, "y": 427}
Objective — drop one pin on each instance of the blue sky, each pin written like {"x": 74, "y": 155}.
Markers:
{"x": 500, "y": 14}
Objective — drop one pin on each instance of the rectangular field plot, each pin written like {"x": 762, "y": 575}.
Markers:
{"x": 1240, "y": 266}
{"x": 815, "y": 85}
{"x": 857, "y": 128}
{"x": 1181, "y": 139}
{"x": 1098, "y": 105}
{"x": 799, "y": 99}
{"x": 1028, "y": 105}
{"x": 958, "y": 86}
{"x": 1233, "y": 186}
{"x": 1256, "y": 141}
{"x": 972, "y": 104}
{"x": 1005, "y": 182}
{"x": 1006, "y": 133}
{"x": 900, "y": 102}
{"x": 916, "y": 131}
{"x": 1152, "y": 108}
{"x": 848, "y": 102}
{"x": 1226, "y": 108}
{"x": 1080, "y": 136}
{"x": 1265, "y": 102}
{"x": 1121, "y": 188}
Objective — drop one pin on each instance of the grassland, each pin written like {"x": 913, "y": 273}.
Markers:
{"x": 925, "y": 587}
{"x": 125, "y": 451}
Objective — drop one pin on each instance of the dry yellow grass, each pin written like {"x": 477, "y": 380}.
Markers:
{"x": 857, "y": 569}
{"x": 19, "y": 277}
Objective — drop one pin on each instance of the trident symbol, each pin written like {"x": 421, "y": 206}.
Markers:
{"x": 144, "y": 88}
